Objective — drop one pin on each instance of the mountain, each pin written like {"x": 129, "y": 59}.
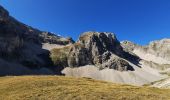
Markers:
{"x": 23, "y": 48}
{"x": 155, "y": 55}
{"x": 156, "y": 49}
{"x": 99, "y": 55}
{"x": 94, "y": 48}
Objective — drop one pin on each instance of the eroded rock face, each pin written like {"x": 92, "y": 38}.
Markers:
{"x": 100, "y": 45}
{"x": 78, "y": 56}
{"x": 160, "y": 48}
{"x": 101, "y": 42}
{"x": 156, "y": 55}
{"x": 100, "y": 49}
{"x": 116, "y": 63}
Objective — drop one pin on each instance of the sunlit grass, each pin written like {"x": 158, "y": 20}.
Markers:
{"x": 69, "y": 88}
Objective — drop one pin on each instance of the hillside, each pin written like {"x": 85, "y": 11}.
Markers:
{"x": 25, "y": 50}
{"x": 69, "y": 88}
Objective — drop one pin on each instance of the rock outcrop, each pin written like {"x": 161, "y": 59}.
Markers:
{"x": 101, "y": 49}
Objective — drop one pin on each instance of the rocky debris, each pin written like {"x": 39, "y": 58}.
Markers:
{"x": 139, "y": 76}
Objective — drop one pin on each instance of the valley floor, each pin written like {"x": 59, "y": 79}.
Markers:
{"x": 69, "y": 88}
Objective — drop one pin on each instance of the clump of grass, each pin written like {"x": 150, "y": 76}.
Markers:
{"x": 69, "y": 88}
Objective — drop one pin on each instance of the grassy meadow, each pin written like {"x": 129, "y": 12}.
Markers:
{"x": 69, "y": 88}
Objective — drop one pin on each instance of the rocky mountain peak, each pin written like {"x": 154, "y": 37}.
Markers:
{"x": 98, "y": 48}
{"x": 90, "y": 34}
{"x": 160, "y": 48}
{"x": 156, "y": 51}
{"x": 101, "y": 41}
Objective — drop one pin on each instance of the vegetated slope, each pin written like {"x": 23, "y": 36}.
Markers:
{"x": 69, "y": 88}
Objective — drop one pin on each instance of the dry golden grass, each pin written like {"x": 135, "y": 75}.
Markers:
{"x": 69, "y": 88}
{"x": 59, "y": 55}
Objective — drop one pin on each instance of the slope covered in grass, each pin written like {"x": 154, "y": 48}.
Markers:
{"x": 68, "y": 88}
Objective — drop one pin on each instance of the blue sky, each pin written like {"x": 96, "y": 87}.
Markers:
{"x": 139, "y": 21}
